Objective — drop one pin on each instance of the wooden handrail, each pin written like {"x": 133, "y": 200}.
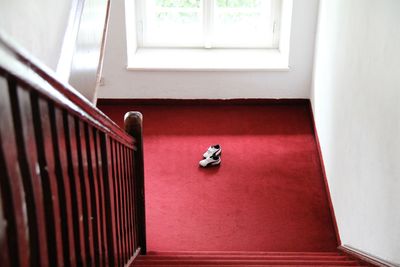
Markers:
{"x": 71, "y": 183}
{"x": 67, "y": 91}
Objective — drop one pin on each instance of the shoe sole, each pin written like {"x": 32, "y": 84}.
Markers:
{"x": 216, "y": 153}
{"x": 214, "y": 163}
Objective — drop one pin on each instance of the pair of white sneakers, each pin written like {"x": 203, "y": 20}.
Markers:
{"x": 212, "y": 156}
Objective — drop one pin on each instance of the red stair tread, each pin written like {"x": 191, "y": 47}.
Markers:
{"x": 245, "y": 257}
{"x": 248, "y": 262}
{"x": 330, "y": 253}
{"x": 245, "y": 265}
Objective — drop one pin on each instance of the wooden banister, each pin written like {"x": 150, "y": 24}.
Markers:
{"x": 12, "y": 52}
{"x": 71, "y": 183}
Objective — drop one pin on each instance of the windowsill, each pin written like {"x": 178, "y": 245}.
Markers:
{"x": 209, "y": 60}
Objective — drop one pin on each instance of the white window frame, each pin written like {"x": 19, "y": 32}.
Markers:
{"x": 208, "y": 16}
{"x": 201, "y": 59}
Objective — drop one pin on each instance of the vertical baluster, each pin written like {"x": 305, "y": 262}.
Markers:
{"x": 129, "y": 202}
{"x": 116, "y": 200}
{"x": 45, "y": 155}
{"x": 129, "y": 193}
{"x": 85, "y": 190}
{"x": 132, "y": 186}
{"x": 129, "y": 249}
{"x": 94, "y": 194}
{"x": 124, "y": 199}
{"x": 109, "y": 198}
{"x": 16, "y": 250}
{"x": 133, "y": 199}
{"x": 120, "y": 201}
{"x": 126, "y": 202}
{"x": 76, "y": 195}
{"x": 64, "y": 186}
{"x": 29, "y": 167}
{"x": 101, "y": 197}
{"x": 5, "y": 255}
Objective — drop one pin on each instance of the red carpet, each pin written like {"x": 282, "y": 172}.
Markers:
{"x": 268, "y": 194}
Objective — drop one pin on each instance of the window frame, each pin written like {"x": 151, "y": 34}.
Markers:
{"x": 207, "y": 19}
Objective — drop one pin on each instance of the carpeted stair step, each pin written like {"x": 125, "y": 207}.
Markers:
{"x": 252, "y": 259}
{"x": 245, "y": 257}
{"x": 244, "y": 265}
{"x": 245, "y": 262}
{"x": 247, "y": 253}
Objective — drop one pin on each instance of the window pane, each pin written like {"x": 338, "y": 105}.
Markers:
{"x": 178, "y": 3}
{"x": 173, "y": 23}
{"x": 238, "y": 3}
{"x": 242, "y": 23}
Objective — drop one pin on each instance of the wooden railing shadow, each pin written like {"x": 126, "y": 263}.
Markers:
{"x": 71, "y": 183}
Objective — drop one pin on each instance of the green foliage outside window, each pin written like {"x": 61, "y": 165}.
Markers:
{"x": 178, "y": 3}
{"x": 197, "y": 3}
{"x": 191, "y": 17}
{"x": 238, "y": 3}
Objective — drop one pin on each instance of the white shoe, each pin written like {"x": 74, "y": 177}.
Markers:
{"x": 210, "y": 161}
{"x": 214, "y": 150}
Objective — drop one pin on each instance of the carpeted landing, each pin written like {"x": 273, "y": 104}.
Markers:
{"x": 267, "y": 195}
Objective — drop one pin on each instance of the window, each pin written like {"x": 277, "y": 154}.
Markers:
{"x": 175, "y": 34}
{"x": 208, "y": 23}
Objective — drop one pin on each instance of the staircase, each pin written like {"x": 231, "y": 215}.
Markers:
{"x": 243, "y": 259}
{"x": 72, "y": 186}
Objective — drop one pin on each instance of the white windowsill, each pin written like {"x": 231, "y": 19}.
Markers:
{"x": 209, "y": 60}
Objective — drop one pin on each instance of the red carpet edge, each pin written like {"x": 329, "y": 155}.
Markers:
{"x": 328, "y": 192}
{"x": 208, "y": 102}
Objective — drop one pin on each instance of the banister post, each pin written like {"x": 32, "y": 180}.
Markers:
{"x": 133, "y": 123}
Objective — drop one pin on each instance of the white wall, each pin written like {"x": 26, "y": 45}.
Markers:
{"x": 37, "y": 25}
{"x": 356, "y": 101}
{"x": 121, "y": 83}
